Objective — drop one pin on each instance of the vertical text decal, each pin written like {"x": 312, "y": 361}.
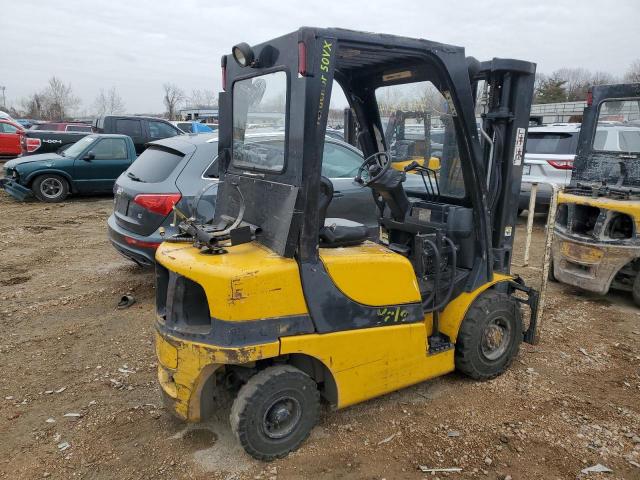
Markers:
{"x": 325, "y": 63}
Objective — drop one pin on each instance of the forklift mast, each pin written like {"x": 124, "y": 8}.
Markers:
{"x": 507, "y": 94}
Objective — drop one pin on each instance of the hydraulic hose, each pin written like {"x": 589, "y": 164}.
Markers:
{"x": 454, "y": 261}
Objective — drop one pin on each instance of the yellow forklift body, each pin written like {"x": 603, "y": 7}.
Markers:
{"x": 592, "y": 263}
{"x": 631, "y": 208}
{"x": 364, "y": 363}
{"x": 247, "y": 283}
{"x": 371, "y": 274}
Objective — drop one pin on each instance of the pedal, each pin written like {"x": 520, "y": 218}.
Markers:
{"x": 438, "y": 344}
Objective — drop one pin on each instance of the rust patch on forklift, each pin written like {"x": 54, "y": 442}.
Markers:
{"x": 581, "y": 253}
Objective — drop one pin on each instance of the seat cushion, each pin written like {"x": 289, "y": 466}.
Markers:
{"x": 340, "y": 232}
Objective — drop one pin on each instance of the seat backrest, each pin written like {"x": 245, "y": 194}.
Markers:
{"x": 326, "y": 195}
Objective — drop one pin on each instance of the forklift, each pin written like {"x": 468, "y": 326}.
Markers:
{"x": 596, "y": 246}
{"x": 283, "y": 307}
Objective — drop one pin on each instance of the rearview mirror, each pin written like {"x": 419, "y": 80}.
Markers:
{"x": 89, "y": 156}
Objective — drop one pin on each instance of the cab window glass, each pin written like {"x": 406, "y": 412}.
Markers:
{"x": 110, "y": 149}
{"x": 259, "y": 102}
{"x": 133, "y": 128}
{"x": 78, "y": 128}
{"x": 551, "y": 143}
{"x": 339, "y": 161}
{"x": 621, "y": 119}
{"x": 419, "y": 126}
{"x": 161, "y": 130}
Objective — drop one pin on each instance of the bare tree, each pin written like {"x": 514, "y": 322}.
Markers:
{"x": 173, "y": 95}
{"x": 603, "y": 78}
{"x": 202, "y": 99}
{"x": 33, "y": 106}
{"x": 633, "y": 73}
{"x": 109, "y": 102}
{"x": 59, "y": 99}
{"x": 576, "y": 82}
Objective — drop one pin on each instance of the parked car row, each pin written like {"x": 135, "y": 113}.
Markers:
{"x": 11, "y": 134}
{"x": 91, "y": 165}
{"x": 176, "y": 169}
{"x": 141, "y": 130}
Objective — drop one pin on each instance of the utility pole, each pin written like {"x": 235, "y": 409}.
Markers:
{"x": 4, "y": 99}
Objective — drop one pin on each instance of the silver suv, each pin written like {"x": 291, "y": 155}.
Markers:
{"x": 551, "y": 150}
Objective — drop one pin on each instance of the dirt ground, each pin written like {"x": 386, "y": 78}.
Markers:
{"x": 79, "y": 399}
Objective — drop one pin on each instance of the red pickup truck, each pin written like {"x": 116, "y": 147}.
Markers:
{"x": 11, "y": 134}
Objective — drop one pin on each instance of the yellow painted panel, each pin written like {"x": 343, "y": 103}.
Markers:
{"x": 581, "y": 253}
{"x": 371, "y": 274}
{"x": 631, "y": 208}
{"x": 434, "y": 163}
{"x": 195, "y": 363}
{"x": 247, "y": 283}
{"x": 452, "y": 316}
{"x": 370, "y": 362}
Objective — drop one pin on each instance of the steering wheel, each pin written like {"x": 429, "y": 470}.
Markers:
{"x": 373, "y": 168}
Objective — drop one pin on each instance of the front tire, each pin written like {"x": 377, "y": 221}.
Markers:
{"x": 50, "y": 188}
{"x": 275, "y": 412}
{"x": 490, "y": 336}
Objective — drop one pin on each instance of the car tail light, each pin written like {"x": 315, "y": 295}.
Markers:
{"x": 561, "y": 164}
{"x": 140, "y": 243}
{"x": 31, "y": 144}
{"x": 160, "y": 203}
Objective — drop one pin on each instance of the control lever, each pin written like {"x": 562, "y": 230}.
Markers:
{"x": 411, "y": 166}
{"x": 434, "y": 187}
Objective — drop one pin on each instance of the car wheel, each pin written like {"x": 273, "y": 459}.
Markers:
{"x": 489, "y": 337}
{"x": 275, "y": 412}
{"x": 50, "y": 188}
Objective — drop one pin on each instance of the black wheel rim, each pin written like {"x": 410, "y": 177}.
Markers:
{"x": 281, "y": 417}
{"x": 496, "y": 338}
{"x": 51, "y": 187}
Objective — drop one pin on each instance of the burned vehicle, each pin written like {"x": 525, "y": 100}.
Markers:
{"x": 596, "y": 245}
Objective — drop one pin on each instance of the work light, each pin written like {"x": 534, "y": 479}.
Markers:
{"x": 243, "y": 54}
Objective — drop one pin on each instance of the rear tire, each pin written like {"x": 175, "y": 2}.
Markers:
{"x": 489, "y": 337}
{"x": 50, "y": 188}
{"x": 275, "y": 412}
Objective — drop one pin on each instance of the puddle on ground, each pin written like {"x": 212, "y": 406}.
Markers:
{"x": 199, "y": 438}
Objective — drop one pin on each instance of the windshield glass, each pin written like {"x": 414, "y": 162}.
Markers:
{"x": 552, "y": 143}
{"x": 617, "y": 126}
{"x": 418, "y": 126}
{"x": 155, "y": 164}
{"x": 257, "y": 103}
{"x": 78, "y": 147}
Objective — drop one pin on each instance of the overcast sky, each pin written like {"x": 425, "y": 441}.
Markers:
{"x": 137, "y": 45}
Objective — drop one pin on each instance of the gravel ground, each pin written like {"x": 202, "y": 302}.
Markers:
{"x": 78, "y": 395}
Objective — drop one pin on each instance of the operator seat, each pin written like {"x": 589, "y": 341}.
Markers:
{"x": 337, "y": 232}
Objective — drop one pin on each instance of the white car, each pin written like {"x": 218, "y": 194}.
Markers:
{"x": 549, "y": 157}
{"x": 617, "y": 138}
{"x": 551, "y": 150}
